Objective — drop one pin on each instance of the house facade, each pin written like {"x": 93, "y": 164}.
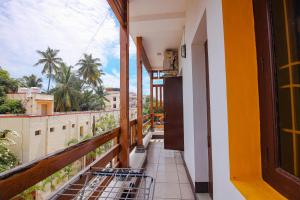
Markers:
{"x": 113, "y": 97}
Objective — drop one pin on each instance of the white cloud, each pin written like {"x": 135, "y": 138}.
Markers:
{"x": 113, "y": 80}
{"x": 68, "y": 25}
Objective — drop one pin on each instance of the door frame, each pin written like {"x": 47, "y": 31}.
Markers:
{"x": 209, "y": 145}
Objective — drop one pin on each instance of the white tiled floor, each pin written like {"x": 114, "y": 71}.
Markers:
{"x": 166, "y": 166}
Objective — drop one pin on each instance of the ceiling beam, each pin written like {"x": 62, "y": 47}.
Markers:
{"x": 145, "y": 59}
{"x": 119, "y": 7}
{"x": 162, "y": 16}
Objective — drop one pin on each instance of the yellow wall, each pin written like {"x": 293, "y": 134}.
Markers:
{"x": 242, "y": 89}
{"x": 243, "y": 101}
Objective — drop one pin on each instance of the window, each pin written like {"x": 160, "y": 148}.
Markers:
{"x": 73, "y": 125}
{"x": 114, "y": 106}
{"x": 37, "y": 132}
{"x": 278, "y": 56}
{"x": 64, "y": 127}
{"x": 52, "y": 129}
{"x": 115, "y": 99}
{"x": 81, "y": 131}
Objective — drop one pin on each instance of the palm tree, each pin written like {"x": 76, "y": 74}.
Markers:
{"x": 99, "y": 91}
{"x": 65, "y": 95}
{"x": 51, "y": 63}
{"x": 89, "y": 70}
{"x": 31, "y": 81}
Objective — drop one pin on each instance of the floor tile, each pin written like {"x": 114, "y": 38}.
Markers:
{"x": 178, "y": 161}
{"x": 183, "y": 178}
{"x": 166, "y": 167}
{"x": 167, "y": 177}
{"x": 167, "y": 190}
{"x": 167, "y": 160}
{"x": 181, "y": 168}
{"x": 151, "y": 167}
{"x": 186, "y": 191}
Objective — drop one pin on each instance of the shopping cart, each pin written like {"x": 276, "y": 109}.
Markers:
{"x": 110, "y": 183}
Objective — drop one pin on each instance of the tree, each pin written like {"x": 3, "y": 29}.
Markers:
{"x": 65, "y": 95}
{"x": 31, "y": 81}
{"x": 7, "y": 159}
{"x": 106, "y": 123}
{"x": 50, "y": 63}
{"x": 7, "y": 84}
{"x": 89, "y": 101}
{"x": 146, "y": 106}
{"x": 12, "y": 106}
{"x": 99, "y": 91}
{"x": 89, "y": 70}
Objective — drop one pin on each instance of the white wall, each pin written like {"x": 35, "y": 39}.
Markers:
{"x": 223, "y": 188}
{"x": 200, "y": 104}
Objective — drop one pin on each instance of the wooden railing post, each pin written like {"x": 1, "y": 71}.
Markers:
{"x": 156, "y": 98}
{"x": 151, "y": 99}
{"x": 124, "y": 90}
{"x": 160, "y": 97}
{"x": 140, "y": 147}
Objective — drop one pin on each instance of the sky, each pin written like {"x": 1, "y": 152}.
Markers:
{"x": 72, "y": 26}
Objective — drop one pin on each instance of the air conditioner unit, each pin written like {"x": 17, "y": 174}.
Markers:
{"x": 170, "y": 59}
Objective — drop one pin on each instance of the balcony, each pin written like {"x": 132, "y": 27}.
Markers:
{"x": 133, "y": 154}
{"x": 165, "y": 166}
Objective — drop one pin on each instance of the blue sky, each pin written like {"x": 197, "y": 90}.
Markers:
{"x": 72, "y": 26}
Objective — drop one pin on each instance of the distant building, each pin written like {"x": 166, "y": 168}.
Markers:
{"x": 113, "y": 97}
{"x": 35, "y": 102}
{"x": 43, "y": 131}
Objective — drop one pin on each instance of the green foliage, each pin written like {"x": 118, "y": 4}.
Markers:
{"x": 74, "y": 91}
{"x": 7, "y": 159}
{"x": 31, "y": 81}
{"x": 65, "y": 95}
{"x": 28, "y": 194}
{"x": 50, "y": 62}
{"x": 72, "y": 142}
{"x": 106, "y": 123}
{"x": 90, "y": 101}
{"x": 89, "y": 70}
{"x": 99, "y": 91}
{"x": 4, "y": 109}
{"x": 12, "y": 106}
{"x": 7, "y": 84}
{"x": 146, "y": 106}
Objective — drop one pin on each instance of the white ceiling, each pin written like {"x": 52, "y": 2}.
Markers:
{"x": 160, "y": 23}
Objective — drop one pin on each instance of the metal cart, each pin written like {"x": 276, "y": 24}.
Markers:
{"x": 110, "y": 183}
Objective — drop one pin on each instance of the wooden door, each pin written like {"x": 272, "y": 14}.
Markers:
{"x": 44, "y": 109}
{"x": 210, "y": 172}
{"x": 173, "y": 106}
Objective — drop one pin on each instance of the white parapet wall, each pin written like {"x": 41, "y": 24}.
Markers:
{"x": 41, "y": 135}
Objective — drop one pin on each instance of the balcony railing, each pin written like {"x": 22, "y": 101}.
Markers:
{"x": 15, "y": 181}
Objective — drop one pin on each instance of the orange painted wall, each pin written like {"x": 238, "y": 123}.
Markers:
{"x": 242, "y": 89}
{"x": 243, "y": 101}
